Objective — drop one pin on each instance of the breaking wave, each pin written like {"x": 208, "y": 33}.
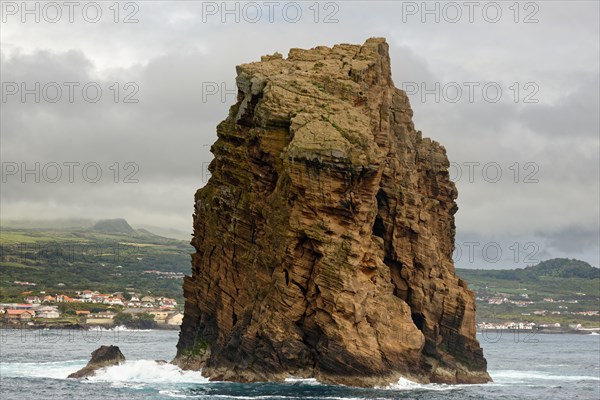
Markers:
{"x": 147, "y": 371}
{"x": 137, "y": 371}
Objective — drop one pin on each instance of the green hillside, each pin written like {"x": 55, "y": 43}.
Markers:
{"x": 560, "y": 288}
{"x": 108, "y": 257}
{"x": 564, "y": 268}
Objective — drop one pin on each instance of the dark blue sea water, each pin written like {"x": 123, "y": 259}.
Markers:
{"x": 34, "y": 366}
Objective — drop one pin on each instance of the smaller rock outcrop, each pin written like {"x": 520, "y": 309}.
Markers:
{"x": 102, "y": 357}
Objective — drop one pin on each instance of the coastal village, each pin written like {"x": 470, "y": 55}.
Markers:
{"x": 44, "y": 307}
{"x": 544, "y": 307}
{"x": 511, "y": 309}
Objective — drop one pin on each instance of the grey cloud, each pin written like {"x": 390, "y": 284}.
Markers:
{"x": 574, "y": 114}
{"x": 170, "y": 53}
{"x": 573, "y": 240}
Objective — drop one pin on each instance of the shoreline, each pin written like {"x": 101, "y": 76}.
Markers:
{"x": 87, "y": 327}
{"x": 163, "y": 327}
{"x": 555, "y": 331}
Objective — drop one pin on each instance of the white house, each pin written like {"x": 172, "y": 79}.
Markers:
{"x": 47, "y": 312}
{"x": 33, "y": 300}
{"x": 175, "y": 318}
{"x": 87, "y": 294}
{"x": 113, "y": 301}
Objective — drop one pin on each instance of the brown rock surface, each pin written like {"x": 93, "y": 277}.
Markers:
{"x": 324, "y": 237}
{"x": 102, "y": 357}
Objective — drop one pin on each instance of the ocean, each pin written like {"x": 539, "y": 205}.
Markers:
{"x": 34, "y": 365}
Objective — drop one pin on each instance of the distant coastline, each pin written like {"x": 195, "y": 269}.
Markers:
{"x": 87, "y": 327}
{"x": 535, "y": 331}
{"x": 489, "y": 332}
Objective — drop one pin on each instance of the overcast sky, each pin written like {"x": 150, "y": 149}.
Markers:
{"x": 511, "y": 89}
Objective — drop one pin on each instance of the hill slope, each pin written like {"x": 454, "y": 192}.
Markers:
{"x": 564, "y": 268}
{"x": 118, "y": 225}
{"x": 105, "y": 259}
{"x": 553, "y": 291}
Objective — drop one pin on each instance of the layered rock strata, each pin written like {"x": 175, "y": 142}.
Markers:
{"x": 324, "y": 236}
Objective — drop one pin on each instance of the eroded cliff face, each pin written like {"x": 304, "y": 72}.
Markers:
{"x": 324, "y": 237}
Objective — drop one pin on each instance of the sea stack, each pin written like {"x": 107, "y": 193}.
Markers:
{"x": 324, "y": 236}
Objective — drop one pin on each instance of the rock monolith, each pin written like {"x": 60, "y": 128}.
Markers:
{"x": 324, "y": 237}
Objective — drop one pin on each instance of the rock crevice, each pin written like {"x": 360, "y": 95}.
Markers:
{"x": 324, "y": 236}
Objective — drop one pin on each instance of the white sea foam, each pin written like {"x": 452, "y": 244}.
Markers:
{"x": 172, "y": 393}
{"x": 271, "y": 396}
{"x": 53, "y": 369}
{"x": 120, "y": 328}
{"x": 405, "y": 384}
{"x": 304, "y": 381}
{"x": 130, "y": 373}
{"x": 515, "y": 376}
{"x": 147, "y": 371}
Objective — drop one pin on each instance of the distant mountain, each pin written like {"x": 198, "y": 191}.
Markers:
{"x": 564, "y": 268}
{"x": 65, "y": 223}
{"x": 118, "y": 225}
{"x": 165, "y": 232}
{"x": 89, "y": 224}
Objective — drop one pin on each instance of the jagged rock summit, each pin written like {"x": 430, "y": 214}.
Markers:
{"x": 324, "y": 237}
